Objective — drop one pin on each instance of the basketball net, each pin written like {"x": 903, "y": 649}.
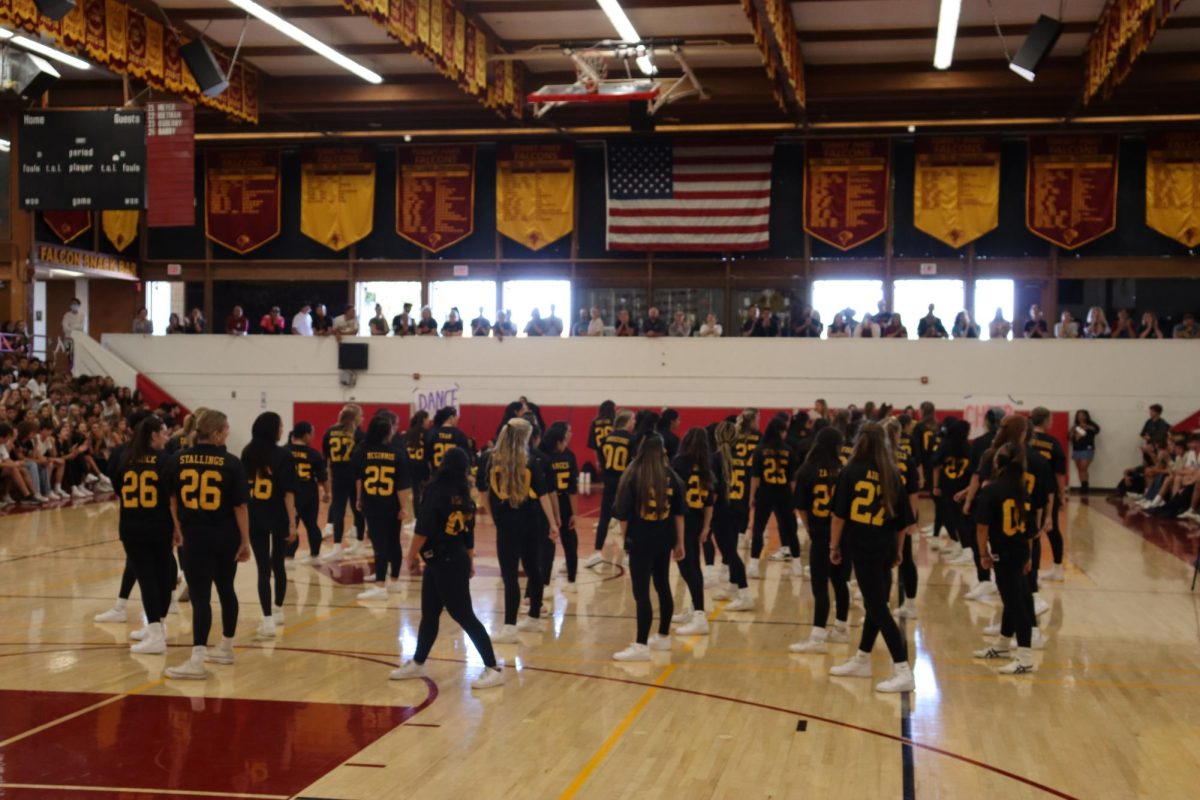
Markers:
{"x": 591, "y": 68}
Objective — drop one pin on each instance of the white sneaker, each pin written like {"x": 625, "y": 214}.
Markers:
{"x": 222, "y": 653}
{"x": 266, "y": 629}
{"x": 407, "y": 671}
{"x": 140, "y": 634}
{"x": 660, "y": 642}
{"x": 570, "y": 587}
{"x": 41, "y": 498}
{"x": 506, "y": 635}
{"x": 726, "y": 591}
{"x": 369, "y": 577}
{"x": 743, "y": 602}
{"x": 951, "y": 551}
{"x": 1016, "y": 667}
{"x": 155, "y": 643}
{"x": 308, "y": 561}
{"x": 964, "y": 559}
{"x": 595, "y": 559}
{"x": 901, "y": 680}
{"x": 377, "y": 593}
{"x": 1055, "y": 573}
{"x": 815, "y": 643}
{"x": 752, "y": 570}
{"x": 798, "y": 569}
{"x": 352, "y": 534}
{"x": 927, "y": 530}
{"x": 104, "y": 485}
{"x": 840, "y": 633}
{"x": 525, "y": 602}
{"x": 712, "y": 576}
{"x": 992, "y": 630}
{"x": 981, "y": 590}
{"x": 697, "y": 627}
{"x": 277, "y": 615}
{"x": 395, "y": 586}
{"x": 58, "y": 494}
{"x": 327, "y": 530}
{"x": 683, "y": 617}
{"x": 1037, "y": 641}
{"x": 1133, "y": 496}
{"x": 530, "y": 625}
{"x": 336, "y": 554}
{"x": 5, "y": 502}
{"x": 1157, "y": 502}
{"x": 936, "y": 543}
{"x": 192, "y": 669}
{"x": 1040, "y": 606}
{"x": 79, "y": 493}
{"x": 859, "y": 666}
{"x": 114, "y": 614}
{"x": 1000, "y": 649}
{"x": 489, "y": 679}
{"x": 908, "y": 610}
{"x": 635, "y": 652}
{"x": 782, "y": 554}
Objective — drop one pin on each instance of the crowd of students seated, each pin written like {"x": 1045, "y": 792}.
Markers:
{"x": 1167, "y": 482}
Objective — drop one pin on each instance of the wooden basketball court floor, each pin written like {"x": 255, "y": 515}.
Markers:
{"x": 1112, "y": 712}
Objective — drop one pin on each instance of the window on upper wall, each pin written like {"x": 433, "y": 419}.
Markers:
{"x": 696, "y": 304}
{"x": 390, "y": 296}
{"x": 547, "y": 296}
{"x": 780, "y": 303}
{"x": 912, "y": 298}
{"x": 831, "y": 297}
{"x": 993, "y": 295}
{"x": 609, "y": 301}
{"x": 158, "y": 305}
{"x": 467, "y": 296}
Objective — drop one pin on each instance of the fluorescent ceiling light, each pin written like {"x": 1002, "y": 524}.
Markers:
{"x": 65, "y": 273}
{"x": 1024, "y": 73}
{"x": 5, "y": 34}
{"x": 306, "y": 39}
{"x": 943, "y": 53}
{"x": 5, "y": 145}
{"x": 616, "y": 15}
{"x": 50, "y": 52}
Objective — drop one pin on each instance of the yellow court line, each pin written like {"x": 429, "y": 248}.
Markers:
{"x": 611, "y": 742}
{"x": 130, "y": 790}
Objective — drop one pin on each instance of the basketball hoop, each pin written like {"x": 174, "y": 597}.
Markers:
{"x": 591, "y": 68}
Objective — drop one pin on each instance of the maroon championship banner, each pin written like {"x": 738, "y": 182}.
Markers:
{"x": 241, "y": 198}
{"x": 1071, "y": 188}
{"x": 435, "y": 194}
{"x": 846, "y": 190}
{"x": 68, "y": 225}
{"x": 170, "y": 165}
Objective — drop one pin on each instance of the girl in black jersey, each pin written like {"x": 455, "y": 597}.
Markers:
{"x": 414, "y": 446}
{"x": 743, "y": 450}
{"x": 564, "y": 480}
{"x": 667, "y": 424}
{"x": 815, "y": 483}
{"x": 598, "y": 431}
{"x": 615, "y": 454}
{"x": 338, "y": 448}
{"x": 870, "y": 510}
{"x": 1003, "y": 539}
{"x": 444, "y": 541}
{"x": 693, "y": 466}
{"x": 208, "y": 503}
{"x": 443, "y": 435}
{"x": 271, "y": 474}
{"x": 771, "y": 469}
{"x": 540, "y": 462}
{"x": 146, "y": 527}
{"x": 311, "y": 474}
{"x": 650, "y": 507}
{"x": 729, "y": 511}
{"x": 517, "y": 494}
{"x": 907, "y": 590}
{"x": 382, "y": 482}
{"x": 951, "y": 474}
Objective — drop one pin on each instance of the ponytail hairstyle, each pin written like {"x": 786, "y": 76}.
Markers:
{"x": 871, "y": 449}
{"x": 452, "y": 474}
{"x": 1009, "y": 470}
{"x": 301, "y": 430}
{"x": 826, "y": 452}
{"x": 607, "y": 410}
{"x": 647, "y": 475}
{"x": 139, "y": 446}
{"x": 378, "y": 432}
{"x": 443, "y": 414}
{"x": 647, "y": 423}
{"x": 264, "y": 435}
{"x": 1014, "y": 430}
{"x": 695, "y": 447}
{"x": 349, "y": 417}
{"x": 724, "y": 437}
{"x": 891, "y": 430}
{"x": 510, "y": 458}
{"x": 415, "y": 434}
{"x": 209, "y": 423}
{"x": 773, "y": 437}
{"x": 621, "y": 421}
{"x": 555, "y": 435}
{"x": 747, "y": 421}
{"x": 187, "y": 434}
{"x": 954, "y": 440}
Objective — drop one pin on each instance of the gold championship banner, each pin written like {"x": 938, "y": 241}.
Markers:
{"x": 846, "y": 190}
{"x": 241, "y": 198}
{"x": 956, "y": 189}
{"x": 128, "y": 42}
{"x": 337, "y": 195}
{"x": 435, "y": 194}
{"x": 1173, "y": 186}
{"x": 68, "y": 225}
{"x": 535, "y": 192}
{"x": 778, "y": 43}
{"x": 1122, "y": 33}
{"x": 120, "y": 227}
{"x": 1071, "y": 188}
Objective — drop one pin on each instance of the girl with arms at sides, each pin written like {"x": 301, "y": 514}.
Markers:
{"x": 649, "y": 505}
{"x": 871, "y": 512}
{"x": 615, "y": 452}
{"x": 729, "y": 517}
{"x": 564, "y": 483}
{"x": 693, "y": 465}
{"x": 414, "y": 448}
{"x": 444, "y": 542}
{"x": 271, "y": 475}
{"x": 338, "y": 448}
{"x": 908, "y": 477}
{"x": 382, "y": 481}
{"x": 772, "y": 467}
{"x": 311, "y": 474}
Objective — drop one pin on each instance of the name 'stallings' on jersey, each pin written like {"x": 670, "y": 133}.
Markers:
{"x": 209, "y": 483}
{"x": 616, "y": 452}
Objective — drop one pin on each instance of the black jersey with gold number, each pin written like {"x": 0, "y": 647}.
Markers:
{"x": 655, "y": 521}
{"x": 698, "y": 493}
{"x": 440, "y": 440}
{"x": 738, "y": 491}
{"x": 999, "y": 508}
{"x": 954, "y": 470}
{"x": 383, "y": 470}
{"x": 143, "y": 496}
{"x": 271, "y": 484}
{"x": 310, "y": 471}
{"x": 338, "y": 449}
{"x": 858, "y": 500}
{"x": 416, "y": 459}
{"x": 773, "y": 465}
{"x": 908, "y": 471}
{"x": 600, "y": 429}
{"x": 616, "y": 452}
{"x": 564, "y": 480}
{"x": 491, "y": 479}
{"x": 814, "y": 496}
{"x": 208, "y": 483}
{"x": 446, "y": 519}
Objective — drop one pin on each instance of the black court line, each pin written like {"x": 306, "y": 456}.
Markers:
{"x": 58, "y": 550}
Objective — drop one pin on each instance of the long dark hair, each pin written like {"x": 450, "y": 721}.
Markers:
{"x": 264, "y": 436}
{"x": 695, "y": 447}
{"x": 416, "y": 429}
{"x": 871, "y": 449}
{"x": 826, "y": 452}
{"x": 773, "y": 436}
{"x": 954, "y": 440}
{"x": 452, "y": 474}
{"x": 139, "y": 446}
{"x": 556, "y": 433}
{"x": 646, "y": 423}
{"x": 648, "y": 474}
{"x": 1009, "y": 471}
{"x": 378, "y": 431}
{"x": 1087, "y": 417}
{"x": 607, "y": 410}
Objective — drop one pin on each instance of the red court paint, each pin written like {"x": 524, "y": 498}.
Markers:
{"x": 25, "y": 710}
{"x": 1172, "y": 535}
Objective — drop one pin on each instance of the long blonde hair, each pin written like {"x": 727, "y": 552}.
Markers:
{"x": 209, "y": 423}
{"x": 891, "y": 430}
{"x": 748, "y": 421}
{"x": 648, "y": 477}
{"x": 622, "y": 419}
{"x": 725, "y": 435}
{"x": 510, "y": 459}
{"x": 871, "y": 449}
{"x": 187, "y": 434}
{"x": 349, "y": 417}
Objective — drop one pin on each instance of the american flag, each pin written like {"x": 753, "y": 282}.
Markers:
{"x": 689, "y": 195}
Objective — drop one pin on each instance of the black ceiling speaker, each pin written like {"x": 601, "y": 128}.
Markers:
{"x": 27, "y": 74}
{"x": 1038, "y": 45}
{"x": 204, "y": 67}
{"x": 55, "y": 9}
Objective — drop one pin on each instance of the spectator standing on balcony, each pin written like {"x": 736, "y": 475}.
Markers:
{"x": 931, "y": 327}
{"x": 882, "y": 316}
{"x": 427, "y": 325}
{"x": 378, "y": 324}
{"x": 964, "y": 328}
{"x": 273, "y": 322}
{"x": 895, "y": 328}
{"x": 536, "y": 326}
{"x": 848, "y": 318}
{"x": 711, "y": 328}
{"x": 596, "y": 323}
{"x": 580, "y": 328}
{"x": 553, "y": 325}
{"x": 302, "y": 322}
{"x": 236, "y": 324}
{"x": 999, "y": 327}
{"x": 322, "y": 323}
{"x": 1036, "y": 327}
{"x": 72, "y": 320}
{"x": 142, "y": 323}
{"x": 174, "y": 325}
{"x": 480, "y": 326}
{"x": 452, "y": 328}
{"x": 1097, "y": 324}
{"x": 751, "y": 325}
{"x": 808, "y": 326}
{"x": 868, "y": 329}
{"x": 1150, "y": 328}
{"x": 625, "y": 326}
{"x": 1067, "y": 327}
{"x": 346, "y": 323}
{"x": 654, "y": 326}
{"x": 838, "y": 329}
{"x": 504, "y": 325}
{"x": 195, "y": 323}
{"x": 1124, "y": 329}
{"x": 1188, "y": 328}
{"x": 769, "y": 323}
{"x": 679, "y": 326}
{"x": 402, "y": 323}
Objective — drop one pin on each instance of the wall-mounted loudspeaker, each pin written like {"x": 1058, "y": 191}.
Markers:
{"x": 1037, "y": 46}
{"x": 26, "y": 74}
{"x": 204, "y": 67}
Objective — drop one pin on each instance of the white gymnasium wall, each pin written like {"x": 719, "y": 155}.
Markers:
{"x": 1115, "y": 380}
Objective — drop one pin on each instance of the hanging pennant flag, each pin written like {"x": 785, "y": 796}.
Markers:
{"x": 845, "y": 190}
{"x": 337, "y": 194}
{"x": 1173, "y": 186}
{"x": 535, "y": 192}
{"x": 241, "y": 198}
{"x": 68, "y": 225}
{"x": 1071, "y": 188}
{"x": 956, "y": 189}
{"x": 435, "y": 194}
{"x": 120, "y": 227}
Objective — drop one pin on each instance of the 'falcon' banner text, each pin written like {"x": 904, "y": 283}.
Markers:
{"x": 435, "y": 194}
{"x": 1071, "y": 188}
{"x": 846, "y": 190}
{"x": 956, "y": 191}
{"x": 337, "y": 194}
{"x": 535, "y": 192}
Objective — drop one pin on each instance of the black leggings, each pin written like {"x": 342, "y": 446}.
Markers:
{"x": 824, "y": 573}
{"x": 446, "y": 584}
{"x": 306, "y": 515}
{"x": 726, "y": 530}
{"x": 211, "y": 559}
{"x": 385, "y": 538}
{"x": 1055, "y": 533}
{"x": 150, "y": 558}
{"x": 518, "y": 542}
{"x": 651, "y": 561}
{"x": 545, "y": 554}
{"x": 779, "y": 504}
{"x": 908, "y": 573}
{"x": 689, "y": 567}
{"x": 570, "y": 545}
{"x": 1014, "y": 593}
{"x": 128, "y": 578}
{"x": 710, "y": 551}
{"x": 607, "y": 498}
{"x": 268, "y": 540}
{"x": 939, "y": 511}
{"x": 342, "y": 495}
{"x": 873, "y": 557}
